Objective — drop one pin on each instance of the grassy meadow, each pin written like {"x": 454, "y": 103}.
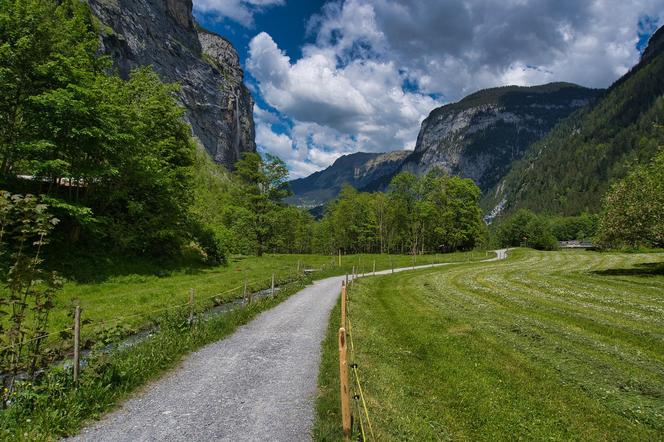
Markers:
{"x": 542, "y": 346}
{"x": 122, "y": 302}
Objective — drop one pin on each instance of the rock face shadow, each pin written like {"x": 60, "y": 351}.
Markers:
{"x": 643, "y": 269}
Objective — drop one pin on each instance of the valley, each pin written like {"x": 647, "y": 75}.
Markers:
{"x": 331, "y": 220}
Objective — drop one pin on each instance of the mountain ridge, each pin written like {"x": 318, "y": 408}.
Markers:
{"x": 519, "y": 114}
{"x": 569, "y": 170}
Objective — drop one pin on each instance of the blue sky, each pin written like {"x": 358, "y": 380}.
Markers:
{"x": 335, "y": 77}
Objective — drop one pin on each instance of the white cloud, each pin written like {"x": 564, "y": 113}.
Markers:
{"x": 366, "y": 81}
{"x": 239, "y": 11}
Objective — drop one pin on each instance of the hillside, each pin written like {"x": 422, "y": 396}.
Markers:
{"x": 163, "y": 34}
{"x": 360, "y": 170}
{"x": 570, "y": 169}
{"x": 481, "y": 136}
{"x": 478, "y": 137}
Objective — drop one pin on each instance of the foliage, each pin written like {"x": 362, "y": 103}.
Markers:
{"x": 582, "y": 227}
{"x": 430, "y": 213}
{"x": 261, "y": 185}
{"x": 28, "y": 293}
{"x": 634, "y": 208}
{"x": 113, "y": 156}
{"x": 525, "y": 228}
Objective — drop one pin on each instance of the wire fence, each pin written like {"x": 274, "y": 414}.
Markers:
{"x": 361, "y": 418}
{"x": 59, "y": 341}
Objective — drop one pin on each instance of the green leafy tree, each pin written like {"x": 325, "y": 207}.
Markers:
{"x": 262, "y": 186}
{"x": 634, "y": 208}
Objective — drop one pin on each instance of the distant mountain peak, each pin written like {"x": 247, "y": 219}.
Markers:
{"x": 360, "y": 170}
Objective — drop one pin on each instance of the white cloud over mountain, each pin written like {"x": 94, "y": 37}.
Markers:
{"x": 367, "y": 80}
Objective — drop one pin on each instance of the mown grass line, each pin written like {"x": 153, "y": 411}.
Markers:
{"x": 505, "y": 350}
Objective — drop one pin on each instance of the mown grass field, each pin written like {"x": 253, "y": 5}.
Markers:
{"x": 129, "y": 301}
{"x": 542, "y": 346}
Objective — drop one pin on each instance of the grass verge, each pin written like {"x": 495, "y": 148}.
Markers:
{"x": 125, "y": 301}
{"x": 53, "y": 408}
{"x": 543, "y": 346}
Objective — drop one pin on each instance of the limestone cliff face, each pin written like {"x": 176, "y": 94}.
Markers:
{"x": 482, "y": 135}
{"x": 163, "y": 34}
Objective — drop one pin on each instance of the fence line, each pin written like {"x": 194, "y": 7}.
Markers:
{"x": 343, "y": 374}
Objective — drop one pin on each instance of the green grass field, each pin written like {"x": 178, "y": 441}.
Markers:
{"x": 542, "y": 346}
{"x": 122, "y": 304}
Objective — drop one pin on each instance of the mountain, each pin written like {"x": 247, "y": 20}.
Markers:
{"x": 570, "y": 169}
{"x": 361, "y": 170}
{"x": 481, "y": 136}
{"x": 478, "y": 137}
{"x": 164, "y": 34}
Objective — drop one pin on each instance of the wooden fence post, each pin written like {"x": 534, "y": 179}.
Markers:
{"x": 191, "y": 305}
{"x": 272, "y": 292}
{"x": 374, "y": 268}
{"x": 391, "y": 266}
{"x": 298, "y": 266}
{"x": 244, "y": 293}
{"x": 343, "y": 305}
{"x": 339, "y": 257}
{"x": 343, "y": 384}
{"x": 77, "y": 342}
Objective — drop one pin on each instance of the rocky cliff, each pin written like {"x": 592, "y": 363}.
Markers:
{"x": 362, "y": 170}
{"x": 164, "y": 34}
{"x": 481, "y": 136}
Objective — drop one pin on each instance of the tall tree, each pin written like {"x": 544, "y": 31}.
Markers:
{"x": 263, "y": 185}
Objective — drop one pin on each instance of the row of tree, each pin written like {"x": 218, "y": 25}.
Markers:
{"x": 431, "y": 213}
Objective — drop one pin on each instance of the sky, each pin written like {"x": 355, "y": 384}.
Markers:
{"x": 331, "y": 78}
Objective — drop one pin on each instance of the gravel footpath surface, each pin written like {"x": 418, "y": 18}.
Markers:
{"x": 259, "y": 384}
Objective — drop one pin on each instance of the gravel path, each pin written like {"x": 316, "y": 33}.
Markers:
{"x": 258, "y": 384}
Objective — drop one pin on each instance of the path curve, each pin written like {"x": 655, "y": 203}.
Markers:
{"x": 257, "y": 384}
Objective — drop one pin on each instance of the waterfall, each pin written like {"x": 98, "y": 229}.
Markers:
{"x": 236, "y": 142}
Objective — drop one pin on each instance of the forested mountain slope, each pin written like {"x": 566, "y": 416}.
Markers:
{"x": 570, "y": 169}
{"x": 478, "y": 137}
{"x": 481, "y": 136}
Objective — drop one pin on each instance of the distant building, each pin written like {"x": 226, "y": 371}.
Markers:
{"x": 576, "y": 244}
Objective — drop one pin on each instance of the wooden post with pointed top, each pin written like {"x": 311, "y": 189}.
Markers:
{"x": 244, "y": 293}
{"x": 339, "y": 257}
{"x": 272, "y": 290}
{"x": 77, "y": 343}
{"x": 343, "y": 385}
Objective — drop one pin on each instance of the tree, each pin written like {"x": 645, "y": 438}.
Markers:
{"x": 634, "y": 208}
{"x": 262, "y": 186}
{"x": 528, "y": 229}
